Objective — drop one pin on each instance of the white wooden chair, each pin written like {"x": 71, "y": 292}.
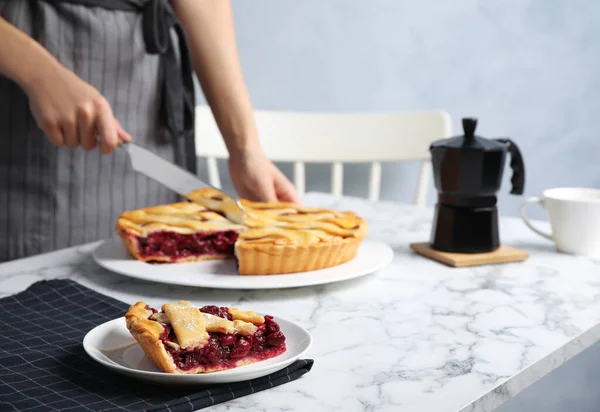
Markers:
{"x": 335, "y": 138}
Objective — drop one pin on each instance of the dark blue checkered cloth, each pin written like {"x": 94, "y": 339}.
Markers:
{"x": 43, "y": 366}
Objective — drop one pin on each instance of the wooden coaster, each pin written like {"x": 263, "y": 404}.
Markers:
{"x": 504, "y": 254}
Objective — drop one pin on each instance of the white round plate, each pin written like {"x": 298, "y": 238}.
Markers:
{"x": 112, "y": 345}
{"x": 222, "y": 274}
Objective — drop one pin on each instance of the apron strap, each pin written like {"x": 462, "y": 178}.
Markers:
{"x": 158, "y": 18}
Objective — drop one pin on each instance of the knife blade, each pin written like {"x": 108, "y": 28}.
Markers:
{"x": 169, "y": 175}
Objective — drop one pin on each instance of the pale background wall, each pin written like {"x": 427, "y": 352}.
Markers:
{"x": 528, "y": 69}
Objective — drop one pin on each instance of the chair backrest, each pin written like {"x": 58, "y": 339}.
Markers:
{"x": 335, "y": 138}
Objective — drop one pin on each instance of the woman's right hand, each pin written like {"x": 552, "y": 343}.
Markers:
{"x": 73, "y": 113}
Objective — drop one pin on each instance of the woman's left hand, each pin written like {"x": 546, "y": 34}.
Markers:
{"x": 256, "y": 178}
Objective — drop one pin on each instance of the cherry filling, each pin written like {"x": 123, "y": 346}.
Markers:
{"x": 178, "y": 246}
{"x": 223, "y": 351}
{"x": 221, "y": 312}
{"x": 152, "y": 309}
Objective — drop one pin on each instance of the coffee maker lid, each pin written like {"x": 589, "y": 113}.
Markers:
{"x": 469, "y": 140}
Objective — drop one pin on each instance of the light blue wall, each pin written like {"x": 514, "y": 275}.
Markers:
{"x": 528, "y": 69}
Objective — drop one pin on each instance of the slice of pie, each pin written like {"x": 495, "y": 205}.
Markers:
{"x": 182, "y": 338}
{"x": 179, "y": 232}
{"x": 275, "y": 237}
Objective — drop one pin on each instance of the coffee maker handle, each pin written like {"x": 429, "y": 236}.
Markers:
{"x": 518, "y": 167}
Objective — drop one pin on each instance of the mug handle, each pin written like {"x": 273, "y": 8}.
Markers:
{"x": 529, "y": 201}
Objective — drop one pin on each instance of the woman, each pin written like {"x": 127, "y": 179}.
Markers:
{"x": 76, "y": 75}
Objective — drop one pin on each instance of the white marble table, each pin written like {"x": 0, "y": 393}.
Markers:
{"x": 417, "y": 336}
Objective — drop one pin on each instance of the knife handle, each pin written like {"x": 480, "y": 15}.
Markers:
{"x": 122, "y": 143}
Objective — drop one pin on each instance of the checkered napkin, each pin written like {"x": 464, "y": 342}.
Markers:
{"x": 43, "y": 366}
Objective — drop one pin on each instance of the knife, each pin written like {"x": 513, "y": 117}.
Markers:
{"x": 171, "y": 176}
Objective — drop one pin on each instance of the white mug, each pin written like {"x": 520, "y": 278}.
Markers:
{"x": 574, "y": 218}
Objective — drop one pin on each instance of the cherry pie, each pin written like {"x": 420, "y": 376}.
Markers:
{"x": 274, "y": 238}
{"x": 182, "y": 338}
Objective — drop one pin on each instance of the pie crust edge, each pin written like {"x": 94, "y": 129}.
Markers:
{"x": 272, "y": 259}
{"x": 147, "y": 333}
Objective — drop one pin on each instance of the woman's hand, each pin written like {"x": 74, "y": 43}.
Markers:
{"x": 257, "y": 178}
{"x": 72, "y": 113}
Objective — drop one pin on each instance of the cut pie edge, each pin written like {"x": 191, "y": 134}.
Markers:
{"x": 131, "y": 243}
{"x": 147, "y": 333}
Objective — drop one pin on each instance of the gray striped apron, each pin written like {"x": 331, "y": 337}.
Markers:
{"x": 52, "y": 198}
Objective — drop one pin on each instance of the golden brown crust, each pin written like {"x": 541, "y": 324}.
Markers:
{"x": 308, "y": 240}
{"x": 185, "y": 218}
{"x": 276, "y": 238}
{"x": 187, "y": 323}
{"x": 219, "y": 202}
{"x": 130, "y": 243}
{"x": 147, "y": 334}
{"x": 246, "y": 316}
{"x": 282, "y": 238}
{"x": 268, "y": 259}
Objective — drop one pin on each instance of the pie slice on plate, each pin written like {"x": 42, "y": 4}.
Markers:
{"x": 181, "y": 338}
{"x": 275, "y": 237}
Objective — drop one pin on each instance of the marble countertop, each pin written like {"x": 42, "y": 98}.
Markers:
{"x": 416, "y": 336}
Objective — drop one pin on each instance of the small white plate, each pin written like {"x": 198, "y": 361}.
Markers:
{"x": 222, "y": 274}
{"x": 112, "y": 345}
